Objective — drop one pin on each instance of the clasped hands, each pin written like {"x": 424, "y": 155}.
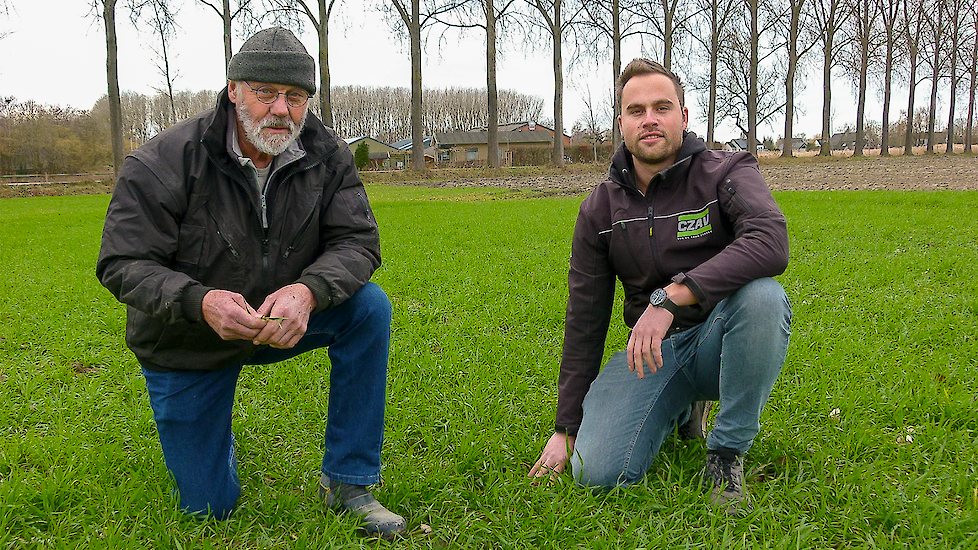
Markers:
{"x": 279, "y": 322}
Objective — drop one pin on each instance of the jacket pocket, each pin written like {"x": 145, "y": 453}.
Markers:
{"x": 626, "y": 236}
{"x": 190, "y": 249}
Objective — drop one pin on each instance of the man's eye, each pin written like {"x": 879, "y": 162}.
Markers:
{"x": 297, "y": 95}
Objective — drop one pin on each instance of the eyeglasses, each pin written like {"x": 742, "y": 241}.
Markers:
{"x": 269, "y": 95}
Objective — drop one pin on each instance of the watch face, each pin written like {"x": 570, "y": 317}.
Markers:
{"x": 658, "y": 296}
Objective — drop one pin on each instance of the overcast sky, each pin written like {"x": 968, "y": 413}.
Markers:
{"x": 55, "y": 54}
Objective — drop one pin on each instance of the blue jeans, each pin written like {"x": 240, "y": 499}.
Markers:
{"x": 192, "y": 409}
{"x": 733, "y": 357}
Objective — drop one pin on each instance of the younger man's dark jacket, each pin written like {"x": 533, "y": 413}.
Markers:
{"x": 708, "y": 221}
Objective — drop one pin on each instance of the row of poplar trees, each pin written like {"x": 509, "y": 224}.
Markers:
{"x": 748, "y": 58}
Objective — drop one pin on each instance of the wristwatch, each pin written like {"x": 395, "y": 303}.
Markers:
{"x": 660, "y": 298}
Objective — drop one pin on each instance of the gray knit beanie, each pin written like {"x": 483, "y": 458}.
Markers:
{"x": 274, "y": 56}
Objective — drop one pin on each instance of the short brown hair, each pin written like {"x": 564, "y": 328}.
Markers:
{"x": 641, "y": 66}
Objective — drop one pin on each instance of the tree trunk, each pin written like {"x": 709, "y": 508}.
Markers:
{"x": 887, "y": 83}
{"x": 912, "y": 84}
{"x": 861, "y": 103}
{"x": 789, "y": 80}
{"x": 227, "y": 34}
{"x": 417, "y": 122}
{"x": 932, "y": 114}
{"x": 711, "y": 114}
{"x": 969, "y": 133}
{"x": 112, "y": 76}
{"x": 754, "y": 7}
{"x": 616, "y": 69}
{"x": 325, "y": 104}
{"x": 955, "y": 39}
{"x": 491, "y": 84}
{"x": 826, "y": 146}
{"x": 667, "y": 33}
{"x": 557, "y": 32}
{"x": 949, "y": 148}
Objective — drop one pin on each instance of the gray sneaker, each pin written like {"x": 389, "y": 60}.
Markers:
{"x": 724, "y": 476}
{"x": 357, "y": 500}
{"x": 695, "y": 426}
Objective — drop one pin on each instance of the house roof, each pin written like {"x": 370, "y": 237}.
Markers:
{"x": 407, "y": 143}
{"x": 451, "y": 139}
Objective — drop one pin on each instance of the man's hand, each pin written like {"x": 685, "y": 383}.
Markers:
{"x": 645, "y": 342}
{"x": 287, "y": 313}
{"x": 554, "y": 458}
{"x": 230, "y": 315}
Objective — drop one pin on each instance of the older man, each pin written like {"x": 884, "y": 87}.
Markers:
{"x": 243, "y": 236}
{"x": 694, "y": 236}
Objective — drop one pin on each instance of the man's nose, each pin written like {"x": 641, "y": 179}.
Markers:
{"x": 280, "y": 107}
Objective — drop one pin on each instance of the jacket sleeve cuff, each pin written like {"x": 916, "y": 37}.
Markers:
{"x": 569, "y": 430}
{"x": 193, "y": 302}
{"x": 321, "y": 290}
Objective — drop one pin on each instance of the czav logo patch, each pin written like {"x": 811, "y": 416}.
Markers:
{"x": 694, "y": 225}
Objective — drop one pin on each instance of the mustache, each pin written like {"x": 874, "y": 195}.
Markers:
{"x": 272, "y": 121}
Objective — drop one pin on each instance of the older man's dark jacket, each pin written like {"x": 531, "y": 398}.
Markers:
{"x": 186, "y": 217}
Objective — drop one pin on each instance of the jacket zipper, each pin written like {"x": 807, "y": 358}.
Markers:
{"x": 299, "y": 234}
{"x": 227, "y": 242}
{"x": 736, "y": 197}
{"x": 655, "y": 249}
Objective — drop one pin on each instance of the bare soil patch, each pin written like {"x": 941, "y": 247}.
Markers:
{"x": 930, "y": 172}
{"x": 911, "y": 173}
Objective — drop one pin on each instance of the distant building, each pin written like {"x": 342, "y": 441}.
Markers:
{"x": 401, "y": 159}
{"x": 472, "y": 148}
{"x": 380, "y": 152}
{"x": 797, "y": 144}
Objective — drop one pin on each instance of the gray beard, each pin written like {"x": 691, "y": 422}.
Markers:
{"x": 271, "y": 146}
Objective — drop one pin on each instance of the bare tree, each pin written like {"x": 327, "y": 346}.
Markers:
{"x": 761, "y": 101}
{"x": 747, "y": 96}
{"x": 864, "y": 23}
{"x": 243, "y": 10}
{"x": 609, "y": 23}
{"x": 5, "y": 11}
{"x": 162, "y": 18}
{"x": 104, "y": 11}
{"x": 969, "y": 132}
{"x": 934, "y": 33}
{"x": 957, "y": 14}
{"x": 913, "y": 21}
{"x": 669, "y": 19}
{"x": 555, "y": 22}
{"x": 319, "y": 17}
{"x": 490, "y": 16}
{"x": 415, "y": 20}
{"x": 712, "y": 26}
{"x": 830, "y": 15}
{"x": 594, "y": 124}
{"x": 799, "y": 42}
{"x": 889, "y": 16}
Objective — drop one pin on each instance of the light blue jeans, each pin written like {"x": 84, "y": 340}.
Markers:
{"x": 733, "y": 357}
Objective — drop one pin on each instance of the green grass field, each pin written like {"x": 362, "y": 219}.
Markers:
{"x": 869, "y": 440}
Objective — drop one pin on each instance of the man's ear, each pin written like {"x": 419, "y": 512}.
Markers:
{"x": 233, "y": 91}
